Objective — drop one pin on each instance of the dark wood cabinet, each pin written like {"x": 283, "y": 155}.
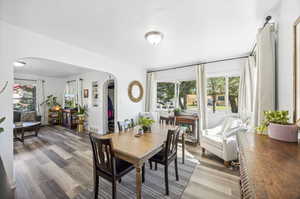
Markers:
{"x": 69, "y": 118}
{"x": 54, "y": 117}
{"x": 269, "y": 169}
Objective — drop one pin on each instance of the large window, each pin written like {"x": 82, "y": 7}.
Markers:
{"x": 216, "y": 94}
{"x": 165, "y": 95}
{"x": 233, "y": 93}
{"x": 188, "y": 95}
{"x": 24, "y": 97}
{"x": 222, "y": 94}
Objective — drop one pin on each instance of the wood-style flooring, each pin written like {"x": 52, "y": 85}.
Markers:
{"x": 58, "y": 165}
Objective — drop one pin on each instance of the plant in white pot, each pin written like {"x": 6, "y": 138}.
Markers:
{"x": 276, "y": 122}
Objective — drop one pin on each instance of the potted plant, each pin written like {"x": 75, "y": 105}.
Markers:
{"x": 177, "y": 111}
{"x": 52, "y": 103}
{"x": 81, "y": 115}
{"x": 2, "y": 118}
{"x": 146, "y": 123}
{"x": 276, "y": 122}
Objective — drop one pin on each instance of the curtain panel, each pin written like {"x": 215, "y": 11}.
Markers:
{"x": 201, "y": 96}
{"x": 246, "y": 88}
{"x": 264, "y": 91}
{"x": 40, "y": 98}
{"x": 151, "y": 84}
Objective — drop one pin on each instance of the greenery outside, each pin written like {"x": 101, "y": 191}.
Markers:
{"x": 24, "y": 97}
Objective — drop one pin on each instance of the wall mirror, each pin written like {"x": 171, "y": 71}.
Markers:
{"x": 135, "y": 91}
{"x": 297, "y": 69}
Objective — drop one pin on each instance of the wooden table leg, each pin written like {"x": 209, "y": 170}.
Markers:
{"x": 138, "y": 182}
{"x": 183, "y": 147}
{"x": 22, "y": 135}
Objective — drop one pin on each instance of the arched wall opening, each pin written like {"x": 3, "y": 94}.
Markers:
{"x": 18, "y": 43}
{"x": 73, "y": 87}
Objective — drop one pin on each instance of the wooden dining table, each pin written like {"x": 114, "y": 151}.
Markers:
{"x": 137, "y": 150}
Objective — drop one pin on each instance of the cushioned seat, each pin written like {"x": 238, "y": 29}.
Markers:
{"x": 221, "y": 140}
{"x": 123, "y": 167}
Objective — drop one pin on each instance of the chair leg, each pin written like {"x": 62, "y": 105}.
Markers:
{"x": 203, "y": 151}
{"x": 176, "y": 169}
{"x": 150, "y": 163}
{"x": 166, "y": 180}
{"x": 114, "y": 189}
{"x": 156, "y": 166}
{"x": 96, "y": 186}
{"x": 143, "y": 173}
{"x": 120, "y": 180}
{"x": 226, "y": 163}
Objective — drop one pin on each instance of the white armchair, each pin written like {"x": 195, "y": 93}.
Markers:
{"x": 221, "y": 140}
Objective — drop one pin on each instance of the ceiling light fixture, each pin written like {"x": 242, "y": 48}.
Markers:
{"x": 154, "y": 37}
{"x": 19, "y": 63}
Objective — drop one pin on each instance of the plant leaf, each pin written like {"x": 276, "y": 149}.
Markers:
{"x": 1, "y": 130}
{"x": 2, "y": 119}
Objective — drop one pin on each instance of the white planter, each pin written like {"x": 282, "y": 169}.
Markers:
{"x": 287, "y": 133}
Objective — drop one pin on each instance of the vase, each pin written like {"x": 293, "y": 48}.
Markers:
{"x": 147, "y": 129}
{"x": 286, "y": 133}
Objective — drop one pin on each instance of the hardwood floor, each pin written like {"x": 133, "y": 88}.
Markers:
{"x": 58, "y": 164}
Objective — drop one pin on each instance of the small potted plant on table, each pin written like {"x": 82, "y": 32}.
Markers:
{"x": 146, "y": 123}
{"x": 276, "y": 122}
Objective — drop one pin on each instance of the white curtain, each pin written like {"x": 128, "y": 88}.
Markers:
{"x": 40, "y": 98}
{"x": 201, "y": 95}
{"x": 246, "y": 88}
{"x": 79, "y": 94}
{"x": 150, "y": 104}
{"x": 71, "y": 92}
{"x": 264, "y": 92}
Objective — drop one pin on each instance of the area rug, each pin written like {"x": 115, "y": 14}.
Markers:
{"x": 154, "y": 186}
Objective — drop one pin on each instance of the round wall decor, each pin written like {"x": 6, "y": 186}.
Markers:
{"x": 135, "y": 91}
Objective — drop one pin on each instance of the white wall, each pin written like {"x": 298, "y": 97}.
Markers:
{"x": 95, "y": 114}
{"x": 285, "y": 16}
{"x": 18, "y": 43}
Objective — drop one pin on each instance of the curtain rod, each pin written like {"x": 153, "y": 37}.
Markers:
{"x": 74, "y": 80}
{"x": 268, "y": 18}
{"x": 190, "y": 65}
{"x": 32, "y": 80}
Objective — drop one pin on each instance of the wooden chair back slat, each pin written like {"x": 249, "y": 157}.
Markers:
{"x": 172, "y": 142}
{"x": 103, "y": 154}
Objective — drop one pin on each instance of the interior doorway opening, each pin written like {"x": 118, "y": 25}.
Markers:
{"x": 111, "y": 106}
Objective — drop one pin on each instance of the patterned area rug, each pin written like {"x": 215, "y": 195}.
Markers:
{"x": 154, "y": 186}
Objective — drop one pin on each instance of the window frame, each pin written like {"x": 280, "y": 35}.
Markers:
{"x": 33, "y": 98}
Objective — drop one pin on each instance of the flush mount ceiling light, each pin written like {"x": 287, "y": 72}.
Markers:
{"x": 154, "y": 37}
{"x": 19, "y": 63}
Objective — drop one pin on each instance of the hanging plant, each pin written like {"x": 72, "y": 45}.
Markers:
{"x": 2, "y": 118}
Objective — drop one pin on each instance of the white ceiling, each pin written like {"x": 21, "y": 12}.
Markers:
{"x": 49, "y": 68}
{"x": 194, "y": 30}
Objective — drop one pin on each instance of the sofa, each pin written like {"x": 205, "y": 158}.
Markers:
{"x": 29, "y": 116}
{"x": 221, "y": 140}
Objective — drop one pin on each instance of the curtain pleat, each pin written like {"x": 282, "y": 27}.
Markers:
{"x": 150, "y": 103}
{"x": 201, "y": 96}
{"x": 264, "y": 91}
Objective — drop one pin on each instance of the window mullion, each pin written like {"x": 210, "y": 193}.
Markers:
{"x": 226, "y": 92}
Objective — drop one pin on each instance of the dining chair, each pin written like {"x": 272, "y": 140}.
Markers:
{"x": 107, "y": 166}
{"x": 123, "y": 125}
{"x": 167, "y": 155}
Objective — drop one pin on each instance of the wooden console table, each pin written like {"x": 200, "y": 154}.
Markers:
{"x": 69, "y": 118}
{"x": 189, "y": 120}
{"x": 270, "y": 169}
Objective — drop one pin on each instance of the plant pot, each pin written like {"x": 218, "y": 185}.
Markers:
{"x": 147, "y": 129}
{"x": 286, "y": 133}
